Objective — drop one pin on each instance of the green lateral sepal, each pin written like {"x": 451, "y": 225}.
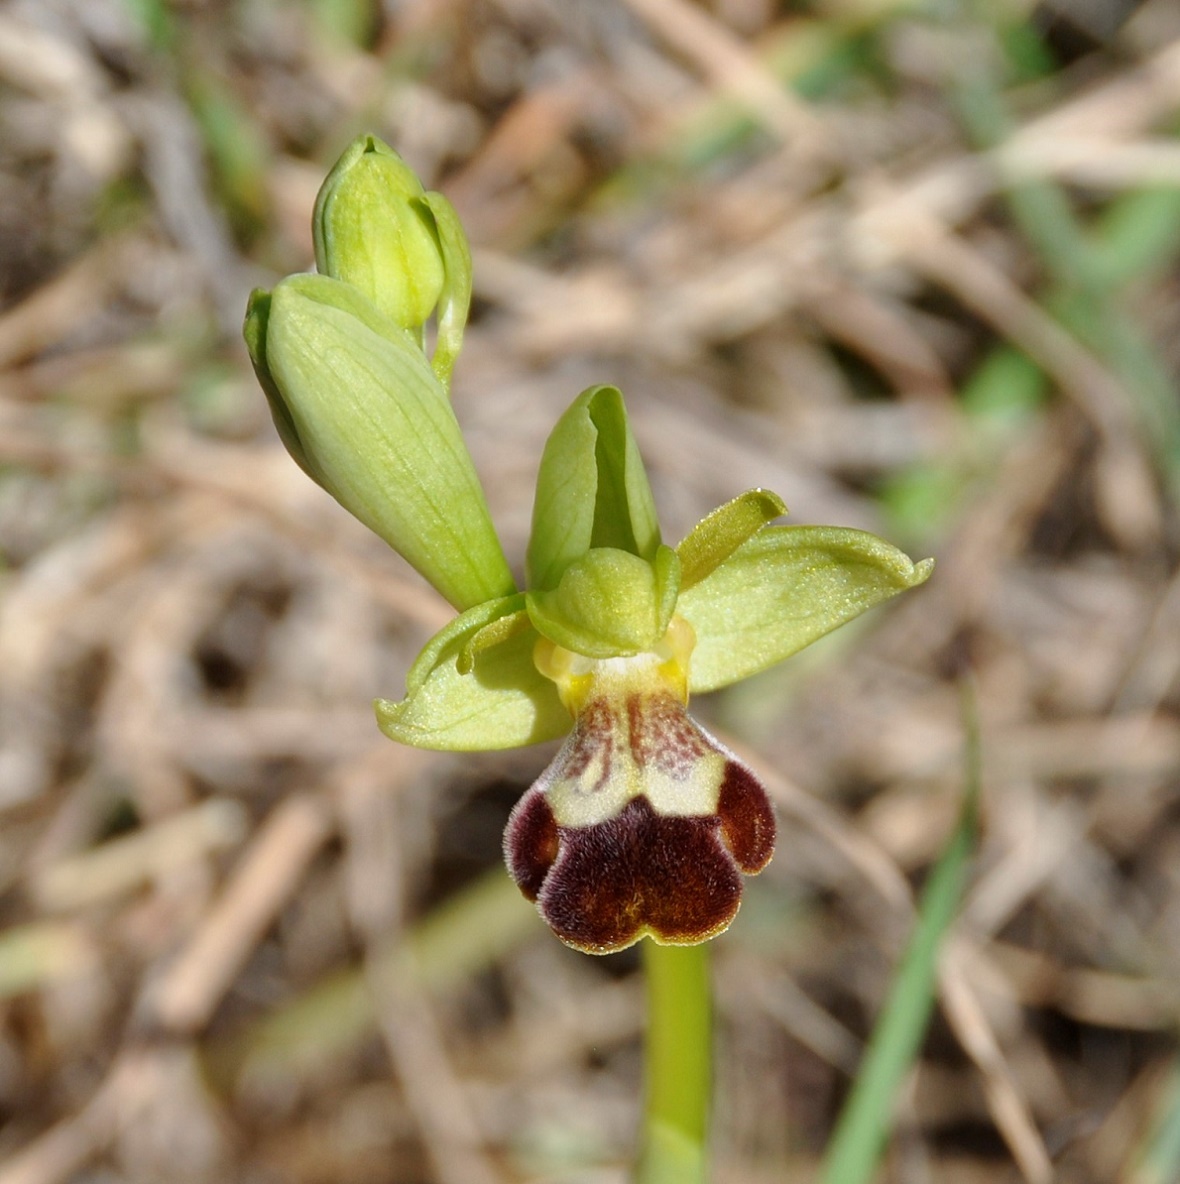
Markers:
{"x": 784, "y": 588}
{"x": 254, "y": 331}
{"x": 592, "y": 490}
{"x": 502, "y": 701}
{"x": 454, "y": 301}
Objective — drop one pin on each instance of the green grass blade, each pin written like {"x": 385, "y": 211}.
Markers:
{"x": 1138, "y": 236}
{"x": 1158, "y": 1161}
{"x": 861, "y": 1130}
{"x": 458, "y": 938}
{"x": 1087, "y": 270}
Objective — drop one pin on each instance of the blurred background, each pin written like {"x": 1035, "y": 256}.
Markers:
{"x": 911, "y": 265}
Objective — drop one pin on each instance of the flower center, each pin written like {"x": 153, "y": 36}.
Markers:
{"x": 580, "y": 679}
{"x": 632, "y": 736}
{"x": 642, "y": 823}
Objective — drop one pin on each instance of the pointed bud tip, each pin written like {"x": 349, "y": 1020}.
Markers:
{"x": 373, "y": 230}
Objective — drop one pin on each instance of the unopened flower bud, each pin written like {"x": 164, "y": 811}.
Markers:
{"x": 358, "y": 406}
{"x": 378, "y": 230}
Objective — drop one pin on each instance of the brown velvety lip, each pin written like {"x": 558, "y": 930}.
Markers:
{"x": 635, "y": 873}
{"x": 642, "y": 824}
{"x": 531, "y": 843}
{"x": 747, "y": 818}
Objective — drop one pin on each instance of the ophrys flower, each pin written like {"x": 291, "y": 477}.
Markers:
{"x": 643, "y": 823}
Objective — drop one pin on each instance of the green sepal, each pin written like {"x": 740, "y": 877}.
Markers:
{"x": 373, "y": 230}
{"x": 454, "y": 301}
{"x": 609, "y": 603}
{"x": 592, "y": 490}
{"x": 502, "y": 702}
{"x": 715, "y": 538}
{"x": 365, "y": 416}
{"x": 254, "y": 331}
{"x": 781, "y": 590}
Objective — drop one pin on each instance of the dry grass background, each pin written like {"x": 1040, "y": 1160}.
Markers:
{"x": 244, "y": 938}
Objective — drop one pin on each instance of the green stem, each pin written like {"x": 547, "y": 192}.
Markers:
{"x": 679, "y": 1065}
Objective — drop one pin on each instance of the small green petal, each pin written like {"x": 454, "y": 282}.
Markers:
{"x": 783, "y": 589}
{"x": 503, "y": 702}
{"x": 609, "y": 603}
{"x": 719, "y": 534}
{"x": 666, "y": 567}
{"x": 462, "y": 629}
{"x": 369, "y": 420}
{"x": 592, "y": 490}
{"x": 454, "y": 301}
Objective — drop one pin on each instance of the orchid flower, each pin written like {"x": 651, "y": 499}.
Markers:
{"x": 643, "y": 823}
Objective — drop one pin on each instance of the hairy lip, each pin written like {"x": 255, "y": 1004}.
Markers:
{"x": 604, "y": 884}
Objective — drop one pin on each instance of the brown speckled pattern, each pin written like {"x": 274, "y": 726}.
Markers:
{"x": 663, "y": 736}
{"x": 593, "y": 737}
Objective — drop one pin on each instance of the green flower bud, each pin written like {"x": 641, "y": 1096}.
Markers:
{"x": 376, "y": 229}
{"x": 361, "y": 411}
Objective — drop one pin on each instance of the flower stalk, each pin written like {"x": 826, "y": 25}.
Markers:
{"x": 679, "y": 1057}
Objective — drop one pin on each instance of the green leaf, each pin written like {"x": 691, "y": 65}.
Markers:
{"x": 592, "y": 490}
{"x": 373, "y": 426}
{"x": 609, "y": 603}
{"x": 1139, "y": 235}
{"x": 715, "y": 538}
{"x": 502, "y": 702}
{"x": 781, "y": 590}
